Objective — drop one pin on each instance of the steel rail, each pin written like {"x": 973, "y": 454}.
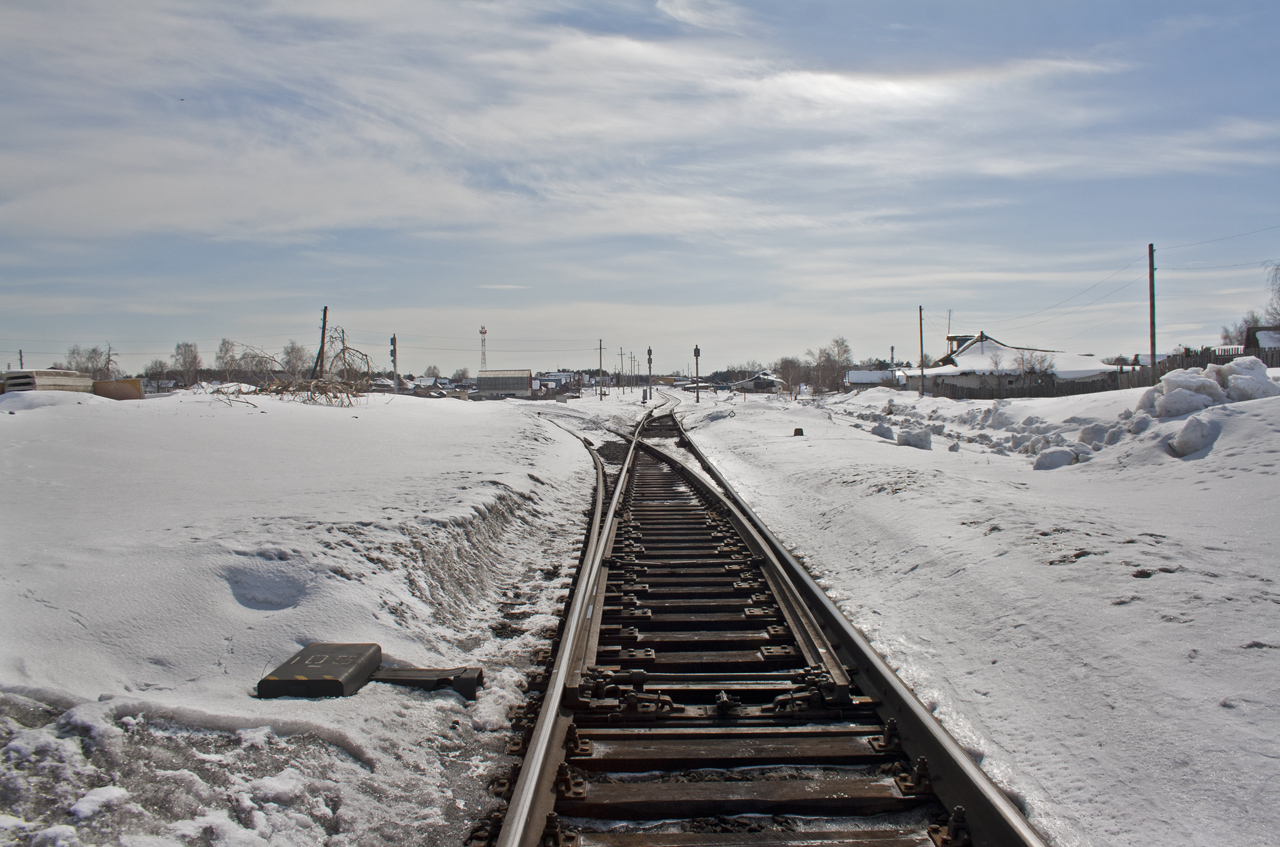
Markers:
{"x": 957, "y": 780}
{"x": 533, "y": 796}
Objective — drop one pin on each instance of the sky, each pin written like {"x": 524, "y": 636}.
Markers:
{"x": 753, "y": 178}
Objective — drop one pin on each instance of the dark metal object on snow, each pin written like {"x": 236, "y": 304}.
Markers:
{"x": 340, "y": 670}
{"x": 323, "y": 670}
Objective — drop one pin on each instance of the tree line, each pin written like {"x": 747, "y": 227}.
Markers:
{"x": 822, "y": 368}
{"x": 233, "y": 362}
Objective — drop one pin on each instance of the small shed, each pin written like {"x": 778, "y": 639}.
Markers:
{"x": 493, "y": 385}
{"x": 47, "y": 380}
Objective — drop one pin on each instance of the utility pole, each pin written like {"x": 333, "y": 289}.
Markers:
{"x": 697, "y": 380}
{"x": 890, "y": 357}
{"x": 600, "y": 373}
{"x": 619, "y": 370}
{"x": 395, "y": 368}
{"x": 317, "y": 370}
{"x": 21, "y": 366}
{"x": 922, "y": 351}
{"x": 648, "y": 384}
{"x": 1151, "y": 282}
{"x": 484, "y": 359}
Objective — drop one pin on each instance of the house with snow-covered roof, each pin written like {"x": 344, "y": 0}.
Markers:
{"x": 980, "y": 361}
{"x": 764, "y": 382}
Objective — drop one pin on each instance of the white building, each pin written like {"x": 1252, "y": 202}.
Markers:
{"x": 980, "y": 361}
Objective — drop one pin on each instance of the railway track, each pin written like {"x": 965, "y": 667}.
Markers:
{"x": 704, "y": 691}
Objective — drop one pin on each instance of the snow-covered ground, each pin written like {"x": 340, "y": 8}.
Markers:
{"x": 159, "y": 557}
{"x": 1102, "y": 636}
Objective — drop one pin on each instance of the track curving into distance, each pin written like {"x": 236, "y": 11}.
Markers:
{"x": 705, "y": 691}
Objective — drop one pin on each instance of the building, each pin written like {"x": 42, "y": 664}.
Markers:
{"x": 862, "y": 380}
{"x": 980, "y": 361}
{"x": 493, "y": 385}
{"x": 762, "y": 383}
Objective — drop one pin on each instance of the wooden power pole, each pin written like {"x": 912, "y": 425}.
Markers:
{"x": 922, "y": 351}
{"x": 1151, "y": 284}
{"x": 317, "y": 370}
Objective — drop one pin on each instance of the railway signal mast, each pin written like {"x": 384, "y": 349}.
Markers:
{"x": 697, "y": 380}
{"x": 648, "y": 385}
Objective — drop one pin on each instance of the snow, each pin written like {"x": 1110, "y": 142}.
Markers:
{"x": 1102, "y": 637}
{"x": 988, "y": 356}
{"x": 920, "y": 439}
{"x": 161, "y": 556}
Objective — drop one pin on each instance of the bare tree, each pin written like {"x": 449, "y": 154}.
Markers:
{"x": 1235, "y": 333}
{"x": 295, "y": 359}
{"x": 459, "y": 375}
{"x": 1033, "y": 366}
{"x": 225, "y": 360}
{"x": 997, "y": 362}
{"x": 186, "y": 361}
{"x": 431, "y": 371}
{"x": 155, "y": 370}
{"x": 791, "y": 371}
{"x": 1272, "y": 312}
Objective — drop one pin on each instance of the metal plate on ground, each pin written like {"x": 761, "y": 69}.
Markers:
{"x": 323, "y": 670}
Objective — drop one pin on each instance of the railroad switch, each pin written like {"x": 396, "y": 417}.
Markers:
{"x": 340, "y": 670}
{"x": 955, "y": 833}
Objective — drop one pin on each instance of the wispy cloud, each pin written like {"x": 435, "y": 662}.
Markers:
{"x": 519, "y": 149}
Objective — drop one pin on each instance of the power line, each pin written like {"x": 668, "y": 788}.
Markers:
{"x": 1072, "y": 297}
{"x": 1103, "y": 323}
{"x": 1256, "y": 264}
{"x": 1224, "y": 238}
{"x": 1085, "y": 306}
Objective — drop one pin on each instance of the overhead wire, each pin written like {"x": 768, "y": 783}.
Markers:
{"x": 1223, "y": 238}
